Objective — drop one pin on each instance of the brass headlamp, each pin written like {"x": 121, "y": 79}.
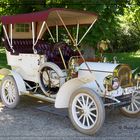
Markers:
{"x": 137, "y": 77}
{"x": 111, "y": 83}
{"x": 137, "y": 80}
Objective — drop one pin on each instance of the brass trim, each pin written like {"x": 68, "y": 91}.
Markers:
{"x": 116, "y": 72}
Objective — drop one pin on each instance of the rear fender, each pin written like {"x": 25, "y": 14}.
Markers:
{"x": 19, "y": 81}
{"x": 66, "y": 90}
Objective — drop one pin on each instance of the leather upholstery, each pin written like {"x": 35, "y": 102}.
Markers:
{"x": 42, "y": 47}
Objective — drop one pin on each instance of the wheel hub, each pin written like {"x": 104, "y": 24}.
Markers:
{"x": 86, "y": 111}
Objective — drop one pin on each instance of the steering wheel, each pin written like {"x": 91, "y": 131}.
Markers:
{"x": 59, "y": 45}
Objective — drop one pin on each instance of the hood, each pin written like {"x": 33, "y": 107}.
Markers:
{"x": 99, "y": 66}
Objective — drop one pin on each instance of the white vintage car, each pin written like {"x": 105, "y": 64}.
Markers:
{"x": 54, "y": 72}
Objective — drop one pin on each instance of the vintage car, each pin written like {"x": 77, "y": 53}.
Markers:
{"x": 54, "y": 71}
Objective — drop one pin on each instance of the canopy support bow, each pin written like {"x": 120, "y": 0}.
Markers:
{"x": 10, "y": 42}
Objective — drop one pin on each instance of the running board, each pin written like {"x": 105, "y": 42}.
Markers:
{"x": 41, "y": 97}
{"x": 63, "y": 112}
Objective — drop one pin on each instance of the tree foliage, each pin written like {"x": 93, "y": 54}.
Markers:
{"x": 118, "y": 22}
{"x": 129, "y": 33}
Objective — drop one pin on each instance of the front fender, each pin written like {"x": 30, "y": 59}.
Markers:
{"x": 66, "y": 90}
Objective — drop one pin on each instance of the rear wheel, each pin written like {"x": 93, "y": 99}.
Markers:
{"x": 9, "y": 92}
{"x": 133, "y": 109}
{"x": 86, "y": 111}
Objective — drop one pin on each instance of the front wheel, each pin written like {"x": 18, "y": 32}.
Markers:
{"x": 133, "y": 110}
{"x": 86, "y": 111}
{"x": 9, "y": 92}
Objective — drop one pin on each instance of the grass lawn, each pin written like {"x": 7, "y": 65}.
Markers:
{"x": 133, "y": 59}
{"x": 1, "y": 76}
{"x": 3, "y": 61}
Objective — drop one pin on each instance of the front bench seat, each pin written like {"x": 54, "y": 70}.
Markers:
{"x": 66, "y": 51}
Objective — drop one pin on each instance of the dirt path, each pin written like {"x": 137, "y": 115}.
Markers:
{"x": 27, "y": 122}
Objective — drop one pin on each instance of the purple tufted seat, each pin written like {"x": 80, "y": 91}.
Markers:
{"x": 26, "y": 46}
{"x": 42, "y": 47}
{"x": 22, "y": 46}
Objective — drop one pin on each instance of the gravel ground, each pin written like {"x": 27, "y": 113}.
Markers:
{"x": 27, "y": 122}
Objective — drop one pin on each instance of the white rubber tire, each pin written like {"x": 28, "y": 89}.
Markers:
{"x": 133, "y": 110}
{"x": 91, "y": 125}
{"x": 9, "y": 92}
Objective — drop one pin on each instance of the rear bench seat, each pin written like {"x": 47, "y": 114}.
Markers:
{"x": 26, "y": 46}
{"x": 22, "y": 46}
{"x": 67, "y": 54}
